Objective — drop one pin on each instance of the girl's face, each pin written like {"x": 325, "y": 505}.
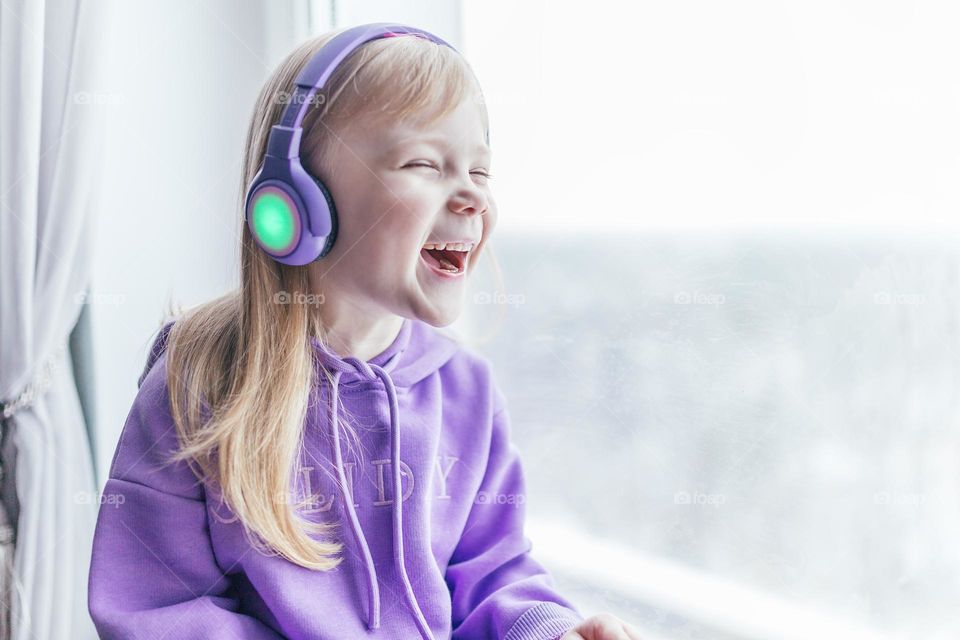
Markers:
{"x": 398, "y": 187}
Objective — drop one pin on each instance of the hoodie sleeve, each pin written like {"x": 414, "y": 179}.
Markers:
{"x": 153, "y": 572}
{"x": 497, "y": 589}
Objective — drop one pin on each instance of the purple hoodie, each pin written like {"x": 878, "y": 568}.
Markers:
{"x": 448, "y": 560}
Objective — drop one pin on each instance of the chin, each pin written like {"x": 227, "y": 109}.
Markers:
{"x": 445, "y": 320}
{"x": 440, "y": 318}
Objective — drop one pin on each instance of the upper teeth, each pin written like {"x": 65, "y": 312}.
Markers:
{"x": 452, "y": 246}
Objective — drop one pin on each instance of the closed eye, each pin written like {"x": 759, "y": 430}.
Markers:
{"x": 422, "y": 164}
{"x": 477, "y": 172}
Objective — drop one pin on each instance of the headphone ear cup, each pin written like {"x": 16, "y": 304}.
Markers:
{"x": 334, "y": 222}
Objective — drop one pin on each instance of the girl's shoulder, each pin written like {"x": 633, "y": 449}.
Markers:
{"x": 156, "y": 349}
{"x": 149, "y": 434}
{"x": 468, "y": 370}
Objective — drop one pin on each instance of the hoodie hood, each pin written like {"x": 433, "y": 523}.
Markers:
{"x": 416, "y": 352}
{"x": 421, "y": 350}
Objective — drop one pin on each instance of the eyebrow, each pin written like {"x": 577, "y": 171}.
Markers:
{"x": 439, "y": 142}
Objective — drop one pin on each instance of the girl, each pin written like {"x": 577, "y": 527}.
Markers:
{"x": 269, "y": 417}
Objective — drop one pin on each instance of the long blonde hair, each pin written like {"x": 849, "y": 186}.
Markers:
{"x": 241, "y": 368}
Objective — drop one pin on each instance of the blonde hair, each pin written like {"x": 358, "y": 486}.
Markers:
{"x": 241, "y": 368}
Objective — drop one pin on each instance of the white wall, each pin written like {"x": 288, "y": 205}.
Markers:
{"x": 441, "y": 17}
{"x": 181, "y": 82}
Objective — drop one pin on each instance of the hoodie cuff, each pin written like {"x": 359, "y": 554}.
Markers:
{"x": 546, "y": 621}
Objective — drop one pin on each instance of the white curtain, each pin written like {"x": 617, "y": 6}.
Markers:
{"x": 51, "y": 128}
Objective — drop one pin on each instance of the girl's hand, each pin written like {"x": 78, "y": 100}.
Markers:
{"x": 603, "y": 626}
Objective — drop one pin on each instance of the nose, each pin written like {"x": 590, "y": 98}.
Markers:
{"x": 469, "y": 199}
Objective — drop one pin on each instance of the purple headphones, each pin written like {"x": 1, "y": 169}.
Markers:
{"x": 290, "y": 212}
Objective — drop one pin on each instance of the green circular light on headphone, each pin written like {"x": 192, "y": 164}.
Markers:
{"x": 274, "y": 221}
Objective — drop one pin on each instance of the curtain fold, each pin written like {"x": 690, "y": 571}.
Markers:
{"x": 51, "y": 132}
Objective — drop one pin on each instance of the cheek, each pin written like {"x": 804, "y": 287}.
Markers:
{"x": 387, "y": 224}
{"x": 409, "y": 220}
{"x": 490, "y": 217}
{"x": 389, "y": 251}
{"x": 376, "y": 218}
{"x": 408, "y": 190}
{"x": 414, "y": 214}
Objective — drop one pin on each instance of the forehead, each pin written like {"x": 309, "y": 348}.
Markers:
{"x": 459, "y": 129}
{"x": 441, "y": 142}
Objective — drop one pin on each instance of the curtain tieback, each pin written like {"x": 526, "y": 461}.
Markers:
{"x": 36, "y": 388}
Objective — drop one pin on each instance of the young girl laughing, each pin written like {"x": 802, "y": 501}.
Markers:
{"x": 307, "y": 456}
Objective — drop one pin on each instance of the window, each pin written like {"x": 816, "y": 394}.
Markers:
{"x": 727, "y": 322}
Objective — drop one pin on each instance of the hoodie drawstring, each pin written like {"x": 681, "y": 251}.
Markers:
{"x": 372, "y": 372}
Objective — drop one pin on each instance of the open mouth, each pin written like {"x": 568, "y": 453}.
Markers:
{"x": 446, "y": 258}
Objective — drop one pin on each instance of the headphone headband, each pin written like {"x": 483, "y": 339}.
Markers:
{"x": 318, "y": 70}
